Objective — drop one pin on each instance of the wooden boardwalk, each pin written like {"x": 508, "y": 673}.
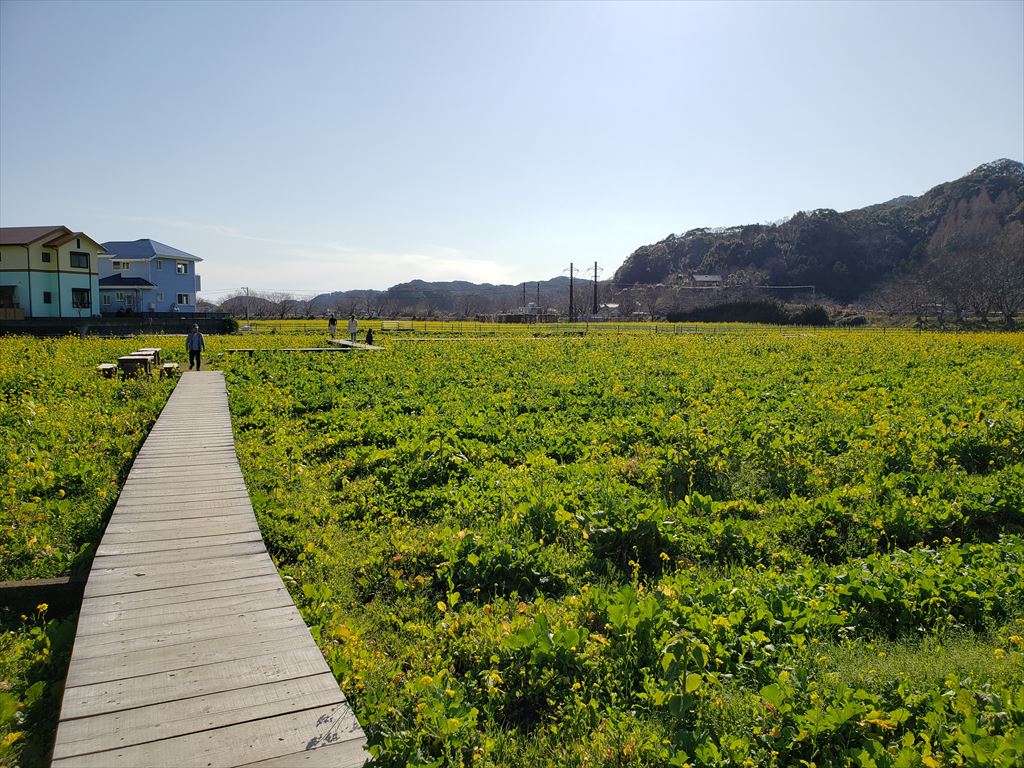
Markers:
{"x": 190, "y": 651}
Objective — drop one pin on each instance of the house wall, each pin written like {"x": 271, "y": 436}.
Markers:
{"x": 162, "y": 272}
{"x": 171, "y": 283}
{"x": 56, "y": 277}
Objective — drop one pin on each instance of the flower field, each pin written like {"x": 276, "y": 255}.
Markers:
{"x": 735, "y": 549}
{"x": 731, "y": 548}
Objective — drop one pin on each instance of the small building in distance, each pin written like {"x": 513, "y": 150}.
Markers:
{"x": 147, "y": 276}
{"x": 705, "y": 281}
{"x": 531, "y": 313}
{"x": 48, "y": 272}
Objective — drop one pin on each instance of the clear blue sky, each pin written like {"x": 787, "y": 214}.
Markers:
{"x": 327, "y": 146}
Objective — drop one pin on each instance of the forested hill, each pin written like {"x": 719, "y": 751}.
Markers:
{"x": 846, "y": 255}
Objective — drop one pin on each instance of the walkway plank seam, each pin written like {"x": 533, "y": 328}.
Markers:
{"x": 189, "y": 650}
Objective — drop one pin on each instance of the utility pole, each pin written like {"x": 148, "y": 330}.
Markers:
{"x": 246, "y": 304}
{"x": 572, "y": 304}
{"x": 596, "y": 273}
{"x": 524, "y": 295}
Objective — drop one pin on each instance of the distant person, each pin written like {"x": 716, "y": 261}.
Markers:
{"x": 195, "y": 344}
{"x": 369, "y": 336}
{"x": 332, "y": 325}
{"x": 353, "y": 327}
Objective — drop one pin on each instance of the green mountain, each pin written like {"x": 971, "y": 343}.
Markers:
{"x": 847, "y": 255}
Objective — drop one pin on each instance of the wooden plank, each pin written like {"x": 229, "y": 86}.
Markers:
{"x": 179, "y": 511}
{"x": 88, "y": 671}
{"x": 130, "y": 580}
{"x": 178, "y": 494}
{"x": 181, "y": 594}
{"x": 98, "y": 622}
{"x": 180, "y": 554}
{"x": 236, "y": 674}
{"x": 345, "y": 754}
{"x": 145, "y": 530}
{"x": 197, "y": 512}
{"x": 132, "y": 544}
{"x": 234, "y": 745}
{"x": 176, "y": 718}
{"x": 173, "y": 475}
{"x": 124, "y": 640}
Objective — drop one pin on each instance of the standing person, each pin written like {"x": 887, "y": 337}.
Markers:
{"x": 332, "y": 324}
{"x": 353, "y": 327}
{"x": 195, "y": 344}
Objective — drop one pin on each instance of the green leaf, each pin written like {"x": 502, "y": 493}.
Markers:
{"x": 773, "y": 695}
{"x": 33, "y": 693}
{"x": 693, "y": 682}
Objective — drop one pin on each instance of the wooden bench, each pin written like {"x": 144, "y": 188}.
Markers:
{"x": 154, "y": 351}
{"x": 169, "y": 369}
{"x": 130, "y": 365}
{"x": 109, "y": 370}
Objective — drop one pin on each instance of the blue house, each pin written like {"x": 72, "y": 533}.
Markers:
{"x": 147, "y": 276}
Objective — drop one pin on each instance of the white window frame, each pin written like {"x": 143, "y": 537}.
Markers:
{"x": 183, "y": 299}
{"x": 160, "y": 264}
{"x": 160, "y": 296}
{"x": 181, "y": 267}
{"x": 106, "y": 299}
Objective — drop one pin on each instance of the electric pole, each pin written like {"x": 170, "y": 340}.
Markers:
{"x": 596, "y": 273}
{"x": 572, "y": 304}
{"x": 246, "y": 304}
{"x": 524, "y": 296}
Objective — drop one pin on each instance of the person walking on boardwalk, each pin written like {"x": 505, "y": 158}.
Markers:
{"x": 353, "y": 327}
{"x": 195, "y": 344}
{"x": 332, "y": 324}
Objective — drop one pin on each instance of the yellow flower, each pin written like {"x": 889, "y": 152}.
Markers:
{"x": 999, "y": 653}
{"x": 42, "y": 608}
{"x": 11, "y": 737}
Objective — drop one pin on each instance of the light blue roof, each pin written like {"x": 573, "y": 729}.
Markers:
{"x": 145, "y": 249}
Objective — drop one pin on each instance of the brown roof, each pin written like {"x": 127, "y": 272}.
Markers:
{"x": 26, "y": 235}
{"x": 57, "y": 242}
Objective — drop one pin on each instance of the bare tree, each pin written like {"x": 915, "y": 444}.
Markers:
{"x": 1005, "y": 263}
{"x": 283, "y": 302}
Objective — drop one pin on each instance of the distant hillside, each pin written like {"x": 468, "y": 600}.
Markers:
{"x": 846, "y": 255}
{"x": 461, "y": 298}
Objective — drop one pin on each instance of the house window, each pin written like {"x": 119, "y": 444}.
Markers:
{"x": 120, "y": 265}
{"x": 182, "y": 267}
{"x": 159, "y": 264}
{"x": 81, "y": 298}
{"x": 47, "y": 297}
{"x": 80, "y": 260}
{"x": 106, "y": 299}
{"x": 159, "y": 297}
{"x": 46, "y": 257}
{"x": 183, "y": 298}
